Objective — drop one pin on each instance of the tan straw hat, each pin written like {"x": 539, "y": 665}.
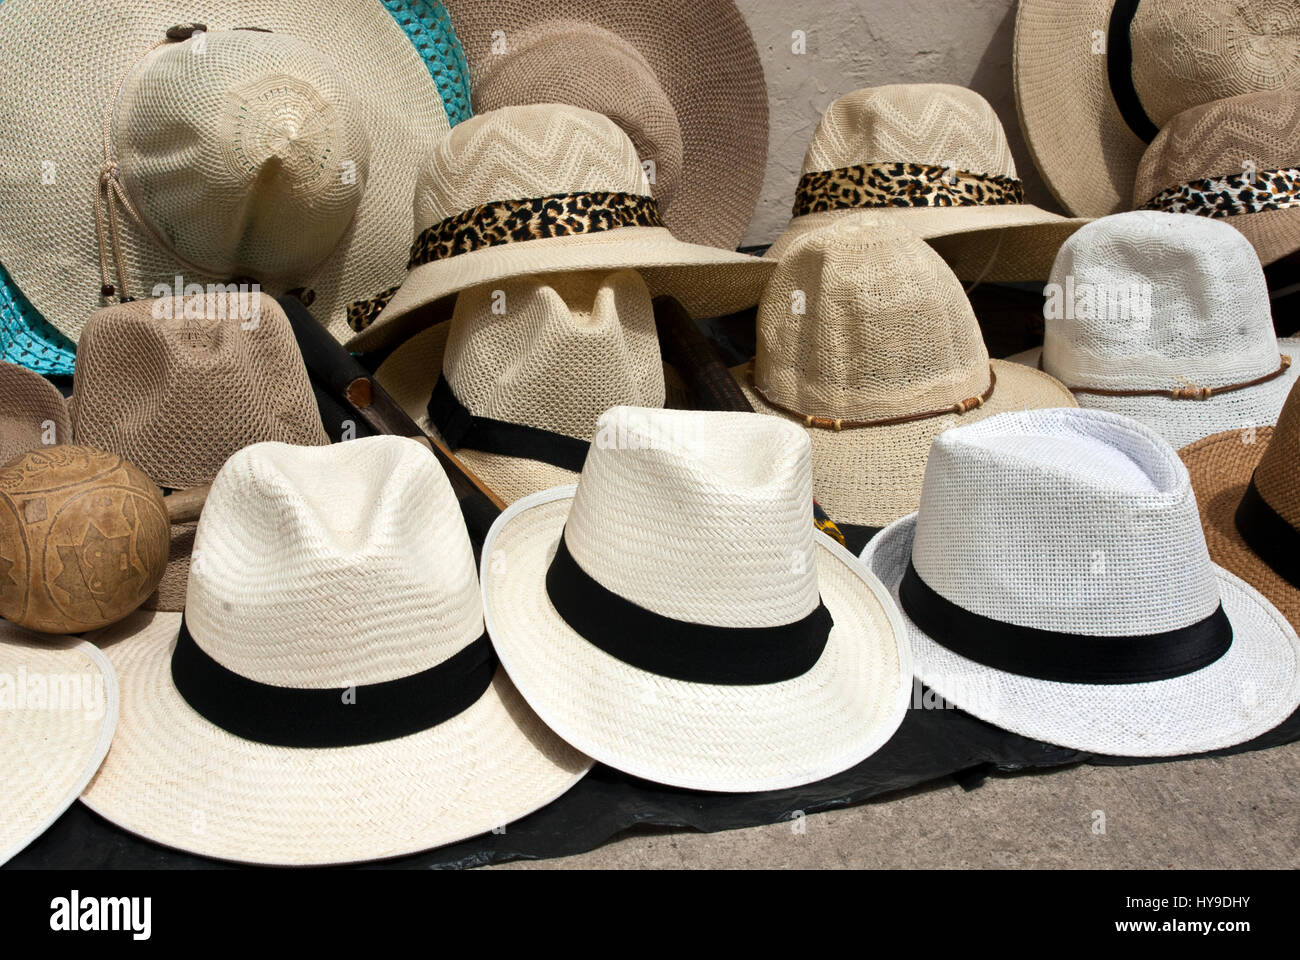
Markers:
{"x": 677, "y": 616}
{"x": 330, "y": 695}
{"x": 933, "y": 158}
{"x": 514, "y": 383}
{"x": 683, "y": 79}
{"x": 1097, "y": 79}
{"x": 278, "y": 144}
{"x": 866, "y": 338}
{"x": 1237, "y": 160}
{"x": 33, "y": 414}
{"x": 543, "y": 189}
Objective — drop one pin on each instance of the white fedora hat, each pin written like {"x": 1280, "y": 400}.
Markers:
{"x": 329, "y": 695}
{"x": 1165, "y": 318}
{"x": 1055, "y": 582}
{"x": 676, "y": 615}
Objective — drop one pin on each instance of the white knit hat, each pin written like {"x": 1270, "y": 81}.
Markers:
{"x": 1166, "y": 318}
{"x": 676, "y": 616}
{"x": 1056, "y": 582}
{"x": 330, "y": 695}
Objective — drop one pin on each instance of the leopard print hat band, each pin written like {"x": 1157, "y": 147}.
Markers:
{"x": 874, "y": 185}
{"x": 1250, "y": 192}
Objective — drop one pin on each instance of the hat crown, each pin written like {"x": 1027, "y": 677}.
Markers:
{"x": 886, "y": 329}
{"x": 32, "y": 411}
{"x": 934, "y": 124}
{"x": 1277, "y": 478}
{"x": 324, "y": 567}
{"x": 1074, "y": 521}
{"x": 702, "y": 517}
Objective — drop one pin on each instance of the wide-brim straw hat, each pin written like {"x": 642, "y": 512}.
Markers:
{"x": 1167, "y": 56}
{"x": 59, "y": 714}
{"x": 33, "y": 414}
{"x": 683, "y": 79}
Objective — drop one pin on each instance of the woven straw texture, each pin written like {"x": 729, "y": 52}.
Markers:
{"x": 323, "y": 567}
{"x": 683, "y": 79}
{"x": 886, "y": 331}
{"x": 937, "y": 125}
{"x": 53, "y": 744}
{"x": 26, "y": 338}
{"x": 28, "y": 402}
{"x": 701, "y": 517}
{"x": 1210, "y": 324}
{"x": 1084, "y": 522}
{"x": 428, "y": 25}
{"x": 1185, "y": 53}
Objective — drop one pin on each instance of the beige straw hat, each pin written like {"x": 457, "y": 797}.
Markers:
{"x": 1097, "y": 79}
{"x": 177, "y": 385}
{"x": 933, "y": 158}
{"x": 280, "y": 144}
{"x": 330, "y": 695}
{"x": 514, "y": 383}
{"x": 676, "y": 616}
{"x": 1237, "y": 160}
{"x": 683, "y": 79}
{"x": 543, "y": 189}
{"x": 866, "y": 339}
{"x": 33, "y": 414}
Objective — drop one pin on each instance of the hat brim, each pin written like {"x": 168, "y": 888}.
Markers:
{"x": 27, "y": 402}
{"x": 1273, "y": 233}
{"x": 176, "y": 779}
{"x": 50, "y": 751}
{"x": 695, "y": 735}
{"x": 1246, "y": 692}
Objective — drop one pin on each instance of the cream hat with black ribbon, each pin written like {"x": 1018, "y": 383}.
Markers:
{"x": 329, "y": 695}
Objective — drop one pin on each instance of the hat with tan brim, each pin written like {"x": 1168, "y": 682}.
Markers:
{"x": 33, "y": 414}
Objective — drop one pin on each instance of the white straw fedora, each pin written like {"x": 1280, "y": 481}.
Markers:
{"x": 330, "y": 695}
{"x": 546, "y": 188}
{"x": 1056, "y": 583}
{"x": 1097, "y": 79}
{"x": 933, "y": 158}
{"x": 1166, "y": 318}
{"x": 280, "y": 144}
{"x": 676, "y": 616}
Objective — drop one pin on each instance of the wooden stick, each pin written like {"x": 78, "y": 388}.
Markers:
{"x": 184, "y": 506}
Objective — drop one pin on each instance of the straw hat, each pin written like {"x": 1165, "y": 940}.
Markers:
{"x": 514, "y": 383}
{"x": 933, "y": 158}
{"x": 1097, "y": 79}
{"x": 58, "y": 711}
{"x": 330, "y": 695}
{"x": 1247, "y": 484}
{"x": 543, "y": 189}
{"x": 177, "y": 385}
{"x": 33, "y": 414}
{"x": 683, "y": 79}
{"x": 1236, "y": 159}
{"x": 866, "y": 338}
{"x": 1166, "y": 318}
{"x": 1055, "y": 582}
{"x": 279, "y": 144}
{"x": 676, "y": 616}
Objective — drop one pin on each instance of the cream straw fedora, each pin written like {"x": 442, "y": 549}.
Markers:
{"x": 279, "y": 144}
{"x": 866, "y": 339}
{"x": 33, "y": 414}
{"x": 1097, "y": 79}
{"x": 515, "y": 382}
{"x": 544, "y": 189}
{"x": 1165, "y": 318}
{"x": 330, "y": 695}
{"x": 1055, "y": 582}
{"x": 676, "y": 616}
{"x": 933, "y": 158}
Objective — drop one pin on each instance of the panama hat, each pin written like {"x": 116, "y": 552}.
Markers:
{"x": 1055, "y": 582}
{"x": 1097, "y": 79}
{"x": 867, "y": 340}
{"x": 1166, "y": 318}
{"x": 1247, "y": 484}
{"x": 677, "y": 617}
{"x": 329, "y": 695}
{"x": 933, "y": 158}
{"x": 1237, "y": 160}
{"x": 33, "y": 414}
{"x": 547, "y": 188}
{"x": 177, "y": 385}
{"x": 683, "y": 79}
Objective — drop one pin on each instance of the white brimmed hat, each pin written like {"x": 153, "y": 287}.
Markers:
{"x": 1056, "y": 583}
{"x": 1166, "y": 318}
{"x": 676, "y": 616}
{"x": 330, "y": 695}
